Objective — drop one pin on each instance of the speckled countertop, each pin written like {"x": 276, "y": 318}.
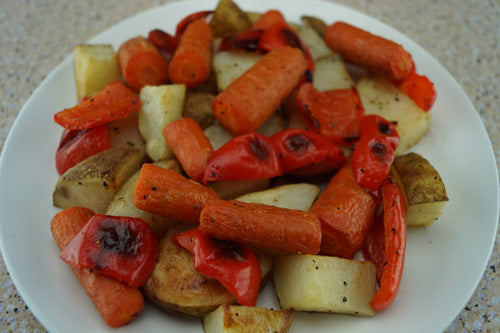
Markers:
{"x": 36, "y": 35}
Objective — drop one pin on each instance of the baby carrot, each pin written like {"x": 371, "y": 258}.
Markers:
{"x": 346, "y": 211}
{"x": 191, "y": 61}
{"x": 190, "y": 145}
{"x": 117, "y": 303}
{"x": 266, "y": 226}
{"x": 267, "y": 19}
{"x": 142, "y": 63}
{"x": 373, "y": 52}
{"x": 254, "y": 96}
{"x": 167, "y": 193}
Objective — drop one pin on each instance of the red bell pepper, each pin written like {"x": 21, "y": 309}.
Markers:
{"x": 77, "y": 145}
{"x": 297, "y": 148}
{"x": 420, "y": 89}
{"x": 114, "y": 101}
{"x": 334, "y": 114}
{"x": 124, "y": 248}
{"x": 248, "y": 156}
{"x": 164, "y": 41}
{"x": 394, "y": 240}
{"x": 374, "y": 245}
{"x": 233, "y": 264}
{"x": 374, "y": 153}
{"x": 246, "y": 40}
{"x": 182, "y": 25}
{"x": 280, "y": 34}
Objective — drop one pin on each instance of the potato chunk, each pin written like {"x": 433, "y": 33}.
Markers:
{"x": 241, "y": 319}
{"x": 95, "y": 66}
{"x": 422, "y": 188}
{"x": 230, "y": 65}
{"x": 382, "y": 98}
{"x": 94, "y": 182}
{"x": 161, "y": 105}
{"x": 325, "y": 284}
{"x": 228, "y": 18}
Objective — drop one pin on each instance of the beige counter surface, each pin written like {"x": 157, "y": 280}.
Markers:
{"x": 463, "y": 35}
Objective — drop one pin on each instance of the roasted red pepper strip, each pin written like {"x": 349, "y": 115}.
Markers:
{"x": 394, "y": 245}
{"x": 181, "y": 26}
{"x": 334, "y": 114}
{"x": 280, "y": 34}
{"x": 297, "y": 148}
{"x": 374, "y": 246}
{"x": 374, "y": 153}
{"x": 114, "y": 101}
{"x": 248, "y": 156}
{"x": 234, "y": 265}
{"x": 124, "y": 248}
{"x": 164, "y": 41}
{"x": 246, "y": 40}
{"x": 420, "y": 89}
{"x": 77, "y": 145}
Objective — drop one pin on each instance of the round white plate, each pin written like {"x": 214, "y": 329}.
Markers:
{"x": 444, "y": 262}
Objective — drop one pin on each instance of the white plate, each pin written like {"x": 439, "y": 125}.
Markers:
{"x": 444, "y": 262}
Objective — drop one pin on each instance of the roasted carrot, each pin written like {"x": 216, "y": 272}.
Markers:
{"x": 254, "y": 96}
{"x": 373, "y": 52}
{"x": 266, "y": 226}
{"x": 190, "y": 145}
{"x": 114, "y": 101}
{"x": 267, "y": 19}
{"x": 142, "y": 63}
{"x": 191, "y": 61}
{"x": 117, "y": 303}
{"x": 167, "y": 193}
{"x": 346, "y": 211}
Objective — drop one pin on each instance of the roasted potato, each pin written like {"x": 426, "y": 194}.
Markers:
{"x": 381, "y": 97}
{"x": 293, "y": 196}
{"x": 94, "y": 182}
{"x": 95, "y": 66}
{"x": 227, "y": 189}
{"x": 161, "y": 105}
{"x": 230, "y": 65}
{"x": 325, "y": 284}
{"x": 123, "y": 202}
{"x": 330, "y": 73}
{"x": 176, "y": 286}
{"x": 217, "y": 135}
{"x": 316, "y": 45}
{"x": 251, "y": 319}
{"x": 317, "y": 24}
{"x": 228, "y": 18}
{"x": 124, "y": 133}
{"x": 423, "y": 189}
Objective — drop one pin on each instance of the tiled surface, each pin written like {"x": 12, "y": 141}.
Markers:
{"x": 463, "y": 35}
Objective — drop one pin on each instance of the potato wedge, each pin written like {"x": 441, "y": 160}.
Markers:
{"x": 292, "y": 196}
{"x": 161, "y": 105}
{"x": 94, "y": 182}
{"x": 423, "y": 189}
{"x": 198, "y": 105}
{"x": 325, "y": 284}
{"x": 230, "y": 189}
{"x": 228, "y": 18}
{"x": 230, "y": 65}
{"x": 315, "y": 23}
{"x": 176, "y": 286}
{"x": 217, "y": 135}
{"x": 330, "y": 73}
{"x": 95, "y": 65}
{"x": 240, "y": 319}
{"x": 124, "y": 133}
{"x": 382, "y": 98}
{"x": 316, "y": 45}
{"x": 123, "y": 202}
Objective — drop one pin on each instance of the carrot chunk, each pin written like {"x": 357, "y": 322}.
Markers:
{"x": 346, "y": 211}
{"x": 373, "y": 52}
{"x": 254, "y": 96}
{"x": 271, "y": 227}
{"x": 117, "y": 303}
{"x": 167, "y": 193}
{"x": 191, "y": 62}
{"x": 142, "y": 63}
{"x": 190, "y": 145}
{"x": 267, "y": 19}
